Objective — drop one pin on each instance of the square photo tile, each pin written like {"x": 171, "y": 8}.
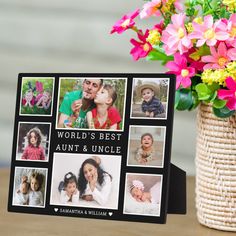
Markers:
{"x": 150, "y": 98}
{"x": 29, "y": 187}
{"x": 37, "y": 96}
{"x": 146, "y": 146}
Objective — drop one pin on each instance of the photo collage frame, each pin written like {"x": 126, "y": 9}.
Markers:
{"x": 93, "y": 145}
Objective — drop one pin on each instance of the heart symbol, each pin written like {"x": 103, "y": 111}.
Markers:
{"x": 56, "y": 209}
{"x": 110, "y": 213}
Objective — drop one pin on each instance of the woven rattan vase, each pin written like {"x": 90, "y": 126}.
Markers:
{"x": 216, "y": 170}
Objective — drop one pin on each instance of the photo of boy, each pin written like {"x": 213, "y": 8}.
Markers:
{"x": 149, "y": 98}
{"x": 146, "y": 146}
{"x": 36, "y": 96}
{"x": 33, "y": 141}
{"x": 83, "y": 103}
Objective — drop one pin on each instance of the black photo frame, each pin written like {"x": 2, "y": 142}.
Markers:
{"x": 143, "y": 183}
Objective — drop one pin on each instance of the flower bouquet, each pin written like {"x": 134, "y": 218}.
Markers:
{"x": 196, "y": 42}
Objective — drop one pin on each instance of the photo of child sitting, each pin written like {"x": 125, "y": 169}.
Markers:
{"x": 36, "y": 96}
{"x": 29, "y": 187}
{"x": 146, "y": 146}
{"x": 143, "y": 194}
{"x": 146, "y": 151}
{"x": 149, "y": 98}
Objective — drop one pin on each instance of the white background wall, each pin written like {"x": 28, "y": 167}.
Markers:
{"x": 72, "y": 36}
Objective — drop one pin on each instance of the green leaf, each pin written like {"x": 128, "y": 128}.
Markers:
{"x": 177, "y": 98}
{"x": 214, "y": 87}
{"x": 219, "y": 103}
{"x": 223, "y": 112}
{"x": 195, "y": 80}
{"x": 195, "y": 101}
{"x": 204, "y": 93}
{"x": 158, "y": 54}
{"x": 213, "y": 97}
{"x": 224, "y": 13}
{"x": 184, "y": 98}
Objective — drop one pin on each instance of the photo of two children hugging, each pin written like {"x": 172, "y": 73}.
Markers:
{"x": 29, "y": 187}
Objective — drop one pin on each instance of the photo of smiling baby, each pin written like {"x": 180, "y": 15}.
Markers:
{"x": 146, "y": 146}
{"x": 149, "y": 98}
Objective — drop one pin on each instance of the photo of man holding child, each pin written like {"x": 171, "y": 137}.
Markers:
{"x": 91, "y": 103}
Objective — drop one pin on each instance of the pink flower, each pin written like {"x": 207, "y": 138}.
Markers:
{"x": 231, "y": 29}
{"x": 141, "y": 48}
{"x": 208, "y": 32}
{"x": 178, "y": 5}
{"x": 229, "y": 94}
{"x": 198, "y": 65}
{"x": 220, "y": 58}
{"x": 151, "y": 8}
{"x": 160, "y": 27}
{"x": 175, "y": 36}
{"x": 180, "y": 68}
{"x": 125, "y": 22}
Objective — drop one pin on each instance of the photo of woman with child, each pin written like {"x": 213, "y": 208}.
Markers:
{"x": 149, "y": 98}
{"x": 29, "y": 187}
{"x": 91, "y": 103}
{"x": 33, "y": 141}
{"x": 143, "y": 194}
{"x": 89, "y": 181}
{"x": 146, "y": 146}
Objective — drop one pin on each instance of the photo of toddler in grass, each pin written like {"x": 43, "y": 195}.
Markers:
{"x": 36, "y": 96}
{"x": 149, "y": 98}
{"x": 29, "y": 187}
{"x": 33, "y": 141}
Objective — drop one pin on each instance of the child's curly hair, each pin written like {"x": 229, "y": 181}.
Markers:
{"x": 39, "y": 177}
{"x": 38, "y": 135}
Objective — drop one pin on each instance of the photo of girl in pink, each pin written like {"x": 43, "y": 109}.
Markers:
{"x": 37, "y": 96}
{"x": 34, "y": 150}
{"x": 33, "y": 141}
